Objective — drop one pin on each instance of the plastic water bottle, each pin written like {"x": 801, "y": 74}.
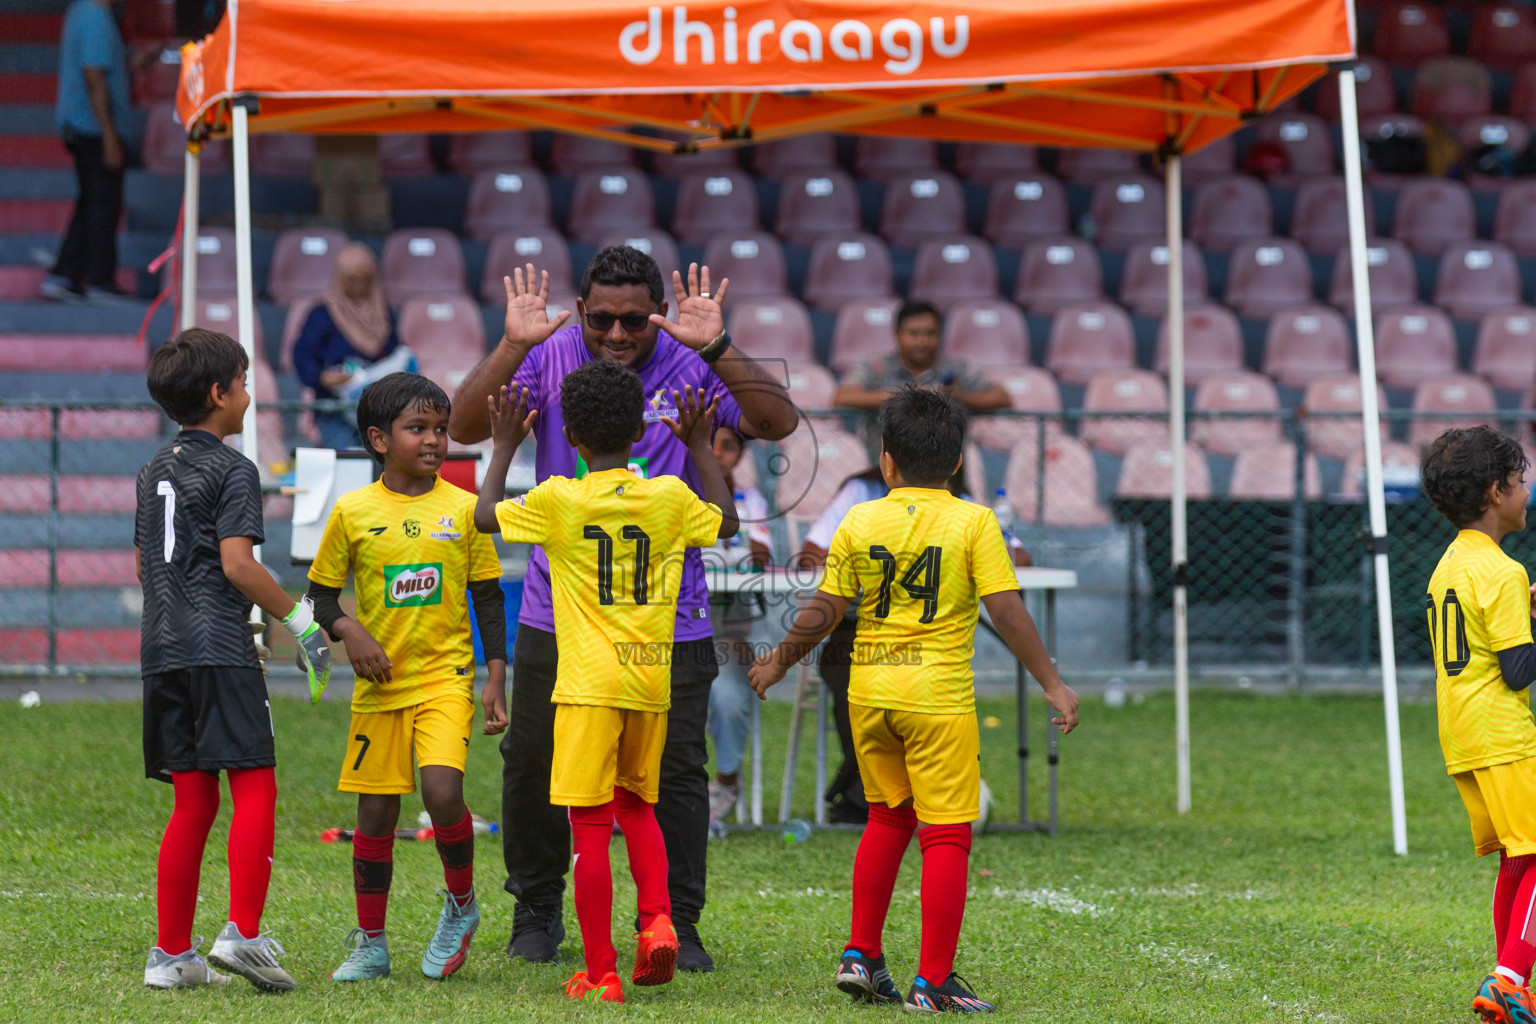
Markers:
{"x": 740, "y": 537}
{"x": 1114, "y": 693}
{"x": 482, "y": 826}
{"x": 1003, "y": 509}
{"x": 796, "y": 830}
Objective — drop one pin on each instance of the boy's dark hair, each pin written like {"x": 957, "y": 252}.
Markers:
{"x": 924, "y": 430}
{"x": 387, "y": 398}
{"x": 1460, "y": 465}
{"x": 183, "y": 370}
{"x": 909, "y": 310}
{"x": 621, "y": 265}
{"x": 604, "y": 406}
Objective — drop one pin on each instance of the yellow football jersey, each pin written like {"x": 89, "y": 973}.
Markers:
{"x": 411, "y": 559}
{"x": 1479, "y": 603}
{"x": 615, "y": 543}
{"x": 923, "y": 560}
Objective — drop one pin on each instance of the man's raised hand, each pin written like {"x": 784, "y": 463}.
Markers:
{"x": 528, "y": 322}
{"x": 699, "y": 317}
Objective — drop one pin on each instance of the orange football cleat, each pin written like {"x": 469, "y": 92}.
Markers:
{"x": 581, "y": 988}
{"x": 1499, "y": 1001}
{"x": 655, "y": 952}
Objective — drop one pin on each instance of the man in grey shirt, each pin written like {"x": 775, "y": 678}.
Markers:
{"x": 917, "y": 361}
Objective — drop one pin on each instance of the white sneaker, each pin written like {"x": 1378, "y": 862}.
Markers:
{"x": 255, "y": 960}
{"x": 185, "y": 970}
{"x": 60, "y": 289}
{"x": 986, "y": 804}
{"x": 721, "y": 799}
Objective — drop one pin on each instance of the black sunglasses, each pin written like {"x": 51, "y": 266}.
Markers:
{"x": 634, "y": 323}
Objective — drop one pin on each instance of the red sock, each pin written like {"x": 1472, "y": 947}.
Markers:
{"x": 253, "y": 791}
{"x": 456, "y": 848}
{"x": 885, "y": 842}
{"x": 647, "y": 853}
{"x": 1511, "y": 870}
{"x": 592, "y": 885}
{"x": 946, "y": 863}
{"x": 1518, "y": 951}
{"x": 181, "y": 858}
{"x": 373, "y": 867}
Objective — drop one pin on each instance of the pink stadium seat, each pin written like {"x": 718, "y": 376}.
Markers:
{"x": 711, "y": 202}
{"x": 866, "y": 329}
{"x": 1213, "y": 343}
{"x": 25, "y": 424}
{"x": 1228, "y": 211}
{"x": 25, "y": 567}
{"x": 1240, "y": 392}
{"x": 473, "y": 152}
{"x": 676, "y": 166}
{"x": 72, "y": 353}
{"x": 118, "y": 424}
{"x": 1030, "y": 390}
{"x": 1268, "y": 473}
{"x": 776, "y": 327}
{"x": 215, "y": 260}
{"x": 97, "y": 494}
{"x": 1147, "y": 471}
{"x": 164, "y": 148}
{"x": 1450, "y": 90}
{"x": 575, "y": 155}
{"x": 608, "y": 201}
{"x": 1374, "y": 90}
{"x": 509, "y": 198}
{"x": 1144, "y": 280}
{"x": 1407, "y": 33}
{"x": 1057, "y": 272}
{"x": 220, "y": 313}
{"x": 280, "y": 155}
{"x": 782, "y": 159}
{"x": 845, "y": 267}
{"x": 1414, "y": 344}
{"x": 1120, "y": 392}
{"x": 1128, "y": 209}
{"x": 544, "y": 247}
{"x": 1215, "y": 160}
{"x": 817, "y": 458}
{"x": 422, "y": 261}
{"x": 1432, "y": 213}
{"x": 752, "y": 260}
{"x": 656, "y": 244}
{"x": 1089, "y": 337}
{"x": 1393, "y": 279}
{"x": 1307, "y": 343}
{"x": 302, "y": 261}
{"x": 94, "y": 568}
{"x": 985, "y": 162}
{"x": 1268, "y": 274}
{"x": 922, "y": 206}
{"x": 812, "y": 205}
{"x": 1320, "y": 221}
{"x": 1070, "y": 486}
{"x": 1472, "y": 397}
{"x": 1522, "y": 97}
{"x": 952, "y": 268}
{"x": 810, "y": 385}
{"x": 882, "y": 158}
{"x": 1305, "y": 139}
{"x": 1332, "y": 435}
{"x": 1475, "y": 278}
{"x": 1394, "y": 455}
{"x": 1506, "y": 347}
{"x": 25, "y": 492}
{"x": 1503, "y": 35}
{"x": 986, "y": 332}
{"x": 1514, "y": 222}
{"x": 405, "y": 155}
{"x": 443, "y": 327}
{"x": 1087, "y": 166}
{"x": 1024, "y": 208}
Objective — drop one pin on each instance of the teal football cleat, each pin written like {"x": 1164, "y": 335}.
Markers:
{"x": 866, "y": 979}
{"x": 1500, "y": 1001}
{"x": 368, "y": 960}
{"x": 450, "y": 945}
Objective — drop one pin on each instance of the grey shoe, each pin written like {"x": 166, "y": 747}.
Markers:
{"x": 185, "y": 970}
{"x": 255, "y": 960}
{"x": 60, "y": 289}
{"x": 722, "y": 799}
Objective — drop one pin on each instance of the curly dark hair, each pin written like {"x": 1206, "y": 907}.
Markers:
{"x": 185, "y": 369}
{"x": 604, "y": 406}
{"x": 620, "y": 265}
{"x": 389, "y": 397}
{"x": 1460, "y": 465}
{"x": 924, "y": 430}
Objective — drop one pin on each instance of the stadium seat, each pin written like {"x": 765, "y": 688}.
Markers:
{"x": 887, "y": 158}
{"x": 1393, "y": 279}
{"x": 1503, "y": 35}
{"x": 1394, "y": 455}
{"x": 25, "y": 424}
{"x": 544, "y": 247}
{"x": 1476, "y": 278}
{"x": 1128, "y": 209}
{"x": 1228, "y": 211}
{"x": 1449, "y": 90}
{"x": 1514, "y": 221}
{"x": 866, "y": 329}
{"x": 422, "y": 261}
{"x": 1268, "y": 473}
{"x": 302, "y": 261}
{"x": 816, "y": 459}
{"x": 281, "y": 155}
{"x": 1030, "y": 390}
{"x": 1305, "y": 138}
{"x": 1505, "y": 352}
{"x": 1333, "y": 435}
{"x": 1268, "y": 274}
{"x": 576, "y": 155}
{"x": 800, "y": 155}
{"x": 1025, "y": 208}
{"x": 163, "y": 149}
{"x": 1213, "y": 343}
{"x": 1433, "y": 213}
{"x": 91, "y": 567}
{"x": 711, "y": 202}
{"x": 1522, "y": 96}
{"x": 216, "y": 271}
{"x": 1215, "y": 160}
{"x": 982, "y": 163}
{"x": 97, "y": 494}
{"x": 1057, "y": 272}
{"x": 776, "y": 327}
{"x": 1375, "y": 92}
{"x": 951, "y": 268}
{"x": 1089, "y": 337}
{"x": 825, "y": 202}
{"x": 1306, "y": 343}
{"x": 221, "y": 313}
{"x": 1414, "y": 344}
{"x": 845, "y": 267}
{"x": 1070, "y": 486}
{"x": 509, "y": 198}
{"x": 115, "y": 424}
{"x": 1147, "y": 471}
{"x": 443, "y": 328}
{"x": 472, "y": 152}
{"x": 1087, "y": 166}
{"x": 405, "y": 155}
{"x": 1241, "y": 392}
{"x": 25, "y": 493}
{"x": 753, "y": 261}
{"x": 986, "y": 332}
{"x": 1144, "y": 280}
{"x": 1122, "y": 392}
{"x": 677, "y": 166}
{"x": 810, "y": 386}
{"x": 1320, "y": 221}
{"x": 1494, "y": 130}
{"x": 618, "y": 199}
{"x": 656, "y": 244}
{"x": 1470, "y": 396}
{"x": 922, "y": 206}
{"x": 1408, "y": 33}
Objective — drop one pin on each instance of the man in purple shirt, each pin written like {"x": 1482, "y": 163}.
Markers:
{"x": 621, "y": 315}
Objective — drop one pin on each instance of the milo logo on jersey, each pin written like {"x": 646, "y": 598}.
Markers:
{"x": 413, "y": 586}
{"x": 636, "y": 466}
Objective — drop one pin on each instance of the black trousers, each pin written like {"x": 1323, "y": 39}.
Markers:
{"x": 836, "y": 665}
{"x": 88, "y": 254}
{"x": 536, "y": 836}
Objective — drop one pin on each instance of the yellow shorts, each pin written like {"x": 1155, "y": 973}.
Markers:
{"x": 597, "y": 748}
{"x": 934, "y": 759}
{"x": 1501, "y": 801}
{"x": 379, "y": 743}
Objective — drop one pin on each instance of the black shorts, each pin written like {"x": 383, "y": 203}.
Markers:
{"x": 209, "y": 718}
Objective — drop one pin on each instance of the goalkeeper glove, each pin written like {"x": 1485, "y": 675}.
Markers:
{"x": 314, "y": 654}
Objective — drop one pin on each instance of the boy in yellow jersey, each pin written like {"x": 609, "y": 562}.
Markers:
{"x": 1479, "y": 612}
{"x": 410, "y": 543}
{"x": 615, "y": 543}
{"x": 923, "y": 559}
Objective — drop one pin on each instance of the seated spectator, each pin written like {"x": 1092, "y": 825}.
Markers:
{"x": 916, "y": 361}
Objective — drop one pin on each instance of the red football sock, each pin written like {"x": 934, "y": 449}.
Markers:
{"x": 592, "y": 885}
{"x": 456, "y": 848}
{"x": 946, "y": 862}
{"x": 253, "y": 791}
{"x": 181, "y": 858}
{"x": 884, "y": 843}
{"x": 373, "y": 867}
{"x": 1511, "y": 870}
{"x": 647, "y": 853}
{"x": 1518, "y": 951}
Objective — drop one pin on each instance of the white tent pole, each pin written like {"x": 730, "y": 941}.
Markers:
{"x": 1179, "y": 512}
{"x": 191, "y": 188}
{"x": 245, "y": 291}
{"x": 1365, "y": 342}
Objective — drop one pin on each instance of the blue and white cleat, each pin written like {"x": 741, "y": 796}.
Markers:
{"x": 954, "y": 996}
{"x": 368, "y": 960}
{"x": 866, "y": 979}
{"x": 185, "y": 970}
{"x": 450, "y": 945}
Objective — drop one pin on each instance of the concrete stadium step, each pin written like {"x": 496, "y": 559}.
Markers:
{"x": 26, "y": 118}
{"x": 100, "y": 457}
{"x": 30, "y": 58}
{"x": 28, "y": 88}
{"x": 100, "y": 606}
{"x": 23, "y": 387}
{"x": 35, "y": 216}
{"x": 72, "y": 352}
{"x": 31, "y": 26}
{"x": 93, "y": 532}
{"x": 33, "y": 150}
{"x": 36, "y": 183}
{"x": 90, "y": 319}
{"x": 21, "y": 284}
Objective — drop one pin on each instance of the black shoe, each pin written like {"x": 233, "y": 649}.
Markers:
{"x": 691, "y": 954}
{"x": 847, "y": 812}
{"x": 536, "y": 933}
{"x": 954, "y": 996}
{"x": 866, "y": 979}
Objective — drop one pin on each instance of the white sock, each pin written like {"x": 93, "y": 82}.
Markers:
{"x": 1510, "y": 976}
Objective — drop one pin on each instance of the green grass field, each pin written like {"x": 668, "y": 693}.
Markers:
{"x": 1277, "y": 899}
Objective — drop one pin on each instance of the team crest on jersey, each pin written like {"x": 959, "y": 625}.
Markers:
{"x": 412, "y": 528}
{"x": 413, "y": 586}
{"x": 660, "y": 407}
{"x": 445, "y": 530}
